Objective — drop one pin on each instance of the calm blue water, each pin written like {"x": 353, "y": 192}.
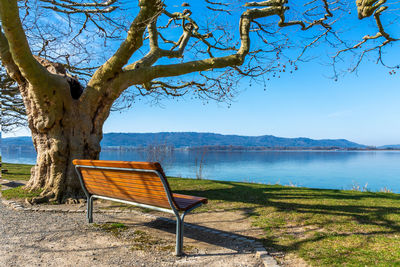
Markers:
{"x": 322, "y": 169}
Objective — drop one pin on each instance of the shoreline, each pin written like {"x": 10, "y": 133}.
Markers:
{"x": 208, "y": 149}
{"x": 355, "y": 187}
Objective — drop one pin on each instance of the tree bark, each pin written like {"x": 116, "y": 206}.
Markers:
{"x": 63, "y": 129}
{"x": 70, "y": 138}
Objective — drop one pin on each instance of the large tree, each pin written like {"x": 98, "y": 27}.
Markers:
{"x": 53, "y": 50}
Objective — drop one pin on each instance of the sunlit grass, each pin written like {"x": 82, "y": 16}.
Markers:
{"x": 19, "y": 193}
{"x": 14, "y": 172}
{"x": 324, "y": 227}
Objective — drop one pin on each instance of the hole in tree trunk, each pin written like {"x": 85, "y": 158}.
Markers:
{"x": 75, "y": 87}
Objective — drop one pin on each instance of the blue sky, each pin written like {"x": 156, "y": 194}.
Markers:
{"x": 362, "y": 107}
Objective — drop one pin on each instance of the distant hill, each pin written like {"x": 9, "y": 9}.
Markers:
{"x": 17, "y": 141}
{"x": 193, "y": 139}
{"x": 390, "y": 147}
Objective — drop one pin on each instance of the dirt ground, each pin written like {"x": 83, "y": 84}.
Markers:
{"x": 61, "y": 236}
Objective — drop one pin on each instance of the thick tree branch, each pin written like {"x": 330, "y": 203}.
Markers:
{"x": 134, "y": 40}
{"x": 36, "y": 74}
{"x": 156, "y": 52}
{"x": 138, "y": 76}
{"x": 269, "y": 8}
{"x": 8, "y": 62}
{"x": 96, "y": 88}
{"x": 144, "y": 75}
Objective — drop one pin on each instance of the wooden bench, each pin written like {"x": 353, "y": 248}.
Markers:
{"x": 138, "y": 183}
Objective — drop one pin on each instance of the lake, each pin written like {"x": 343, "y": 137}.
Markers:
{"x": 315, "y": 169}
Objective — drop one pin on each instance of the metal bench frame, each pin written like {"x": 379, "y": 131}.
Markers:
{"x": 173, "y": 210}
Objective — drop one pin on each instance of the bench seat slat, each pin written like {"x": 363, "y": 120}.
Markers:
{"x": 115, "y": 192}
{"x": 121, "y": 174}
{"x": 137, "y": 198}
{"x": 118, "y": 192}
{"x": 127, "y": 190}
{"x": 183, "y": 202}
{"x": 120, "y": 164}
{"x": 133, "y": 184}
{"x": 122, "y": 177}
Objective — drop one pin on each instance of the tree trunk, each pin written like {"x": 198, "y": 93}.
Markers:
{"x": 63, "y": 128}
{"x": 56, "y": 148}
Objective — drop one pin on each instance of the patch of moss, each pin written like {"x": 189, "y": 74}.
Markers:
{"x": 113, "y": 228}
{"x": 144, "y": 241}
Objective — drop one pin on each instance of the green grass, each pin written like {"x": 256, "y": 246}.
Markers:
{"x": 115, "y": 228}
{"x": 16, "y": 171}
{"x": 324, "y": 227}
{"x": 19, "y": 192}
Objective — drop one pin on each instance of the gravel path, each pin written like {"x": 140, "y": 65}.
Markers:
{"x": 30, "y": 238}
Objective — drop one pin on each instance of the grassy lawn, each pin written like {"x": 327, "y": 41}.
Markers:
{"x": 19, "y": 192}
{"x": 324, "y": 227}
{"x": 16, "y": 171}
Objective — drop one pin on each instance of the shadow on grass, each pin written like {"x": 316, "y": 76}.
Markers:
{"x": 12, "y": 184}
{"x": 372, "y": 212}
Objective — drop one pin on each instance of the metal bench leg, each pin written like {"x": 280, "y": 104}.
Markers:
{"x": 90, "y": 209}
{"x": 179, "y": 230}
{"x": 179, "y": 234}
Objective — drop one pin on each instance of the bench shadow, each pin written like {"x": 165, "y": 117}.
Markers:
{"x": 199, "y": 234}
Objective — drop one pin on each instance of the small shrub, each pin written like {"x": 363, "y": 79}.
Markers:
{"x": 386, "y": 190}
{"x": 358, "y": 188}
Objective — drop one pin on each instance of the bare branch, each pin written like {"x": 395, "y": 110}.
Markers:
{"x": 18, "y": 45}
{"x": 365, "y": 9}
{"x": 73, "y": 7}
{"x": 149, "y": 10}
{"x": 218, "y": 9}
{"x": 13, "y": 114}
{"x": 270, "y": 8}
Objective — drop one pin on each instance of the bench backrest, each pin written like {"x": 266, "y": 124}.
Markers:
{"x": 144, "y": 184}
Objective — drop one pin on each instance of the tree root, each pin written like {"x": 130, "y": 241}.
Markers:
{"x": 74, "y": 200}
{"x": 51, "y": 197}
{"x": 38, "y": 200}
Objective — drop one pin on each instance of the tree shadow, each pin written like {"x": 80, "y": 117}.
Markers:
{"x": 376, "y": 211}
